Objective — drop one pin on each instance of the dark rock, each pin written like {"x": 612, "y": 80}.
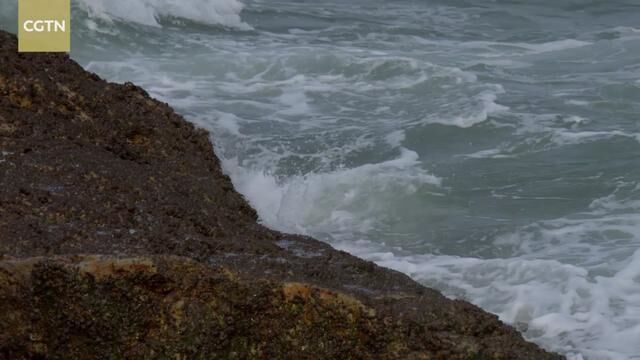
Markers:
{"x": 90, "y": 167}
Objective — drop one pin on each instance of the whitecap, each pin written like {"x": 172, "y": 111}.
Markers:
{"x": 148, "y": 12}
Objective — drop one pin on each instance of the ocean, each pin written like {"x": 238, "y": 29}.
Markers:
{"x": 488, "y": 149}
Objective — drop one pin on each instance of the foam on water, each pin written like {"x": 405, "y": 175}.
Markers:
{"x": 149, "y": 12}
{"x": 487, "y": 106}
{"x": 339, "y": 202}
{"x": 577, "y": 137}
{"x": 561, "y": 306}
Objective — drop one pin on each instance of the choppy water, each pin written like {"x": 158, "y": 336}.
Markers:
{"x": 490, "y": 149}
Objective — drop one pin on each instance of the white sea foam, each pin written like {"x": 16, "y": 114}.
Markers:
{"x": 491, "y": 49}
{"x": 488, "y": 154}
{"x": 149, "y": 12}
{"x": 331, "y": 202}
{"x": 557, "y": 45}
{"x": 564, "y": 137}
{"x": 396, "y": 138}
{"x": 485, "y": 106}
{"x": 558, "y": 305}
{"x": 577, "y": 102}
{"x": 575, "y": 119}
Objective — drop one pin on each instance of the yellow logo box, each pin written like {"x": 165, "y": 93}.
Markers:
{"x": 44, "y": 25}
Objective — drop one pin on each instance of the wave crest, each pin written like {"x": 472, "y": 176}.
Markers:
{"x": 149, "y": 12}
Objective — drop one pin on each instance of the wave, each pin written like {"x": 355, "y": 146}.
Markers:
{"x": 342, "y": 201}
{"x": 150, "y": 12}
{"x": 559, "y": 306}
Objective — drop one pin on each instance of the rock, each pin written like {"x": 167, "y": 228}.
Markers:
{"x": 181, "y": 266}
{"x": 172, "y": 307}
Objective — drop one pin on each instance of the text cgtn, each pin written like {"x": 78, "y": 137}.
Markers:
{"x": 45, "y": 26}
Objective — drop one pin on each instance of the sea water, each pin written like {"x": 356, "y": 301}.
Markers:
{"x": 489, "y": 149}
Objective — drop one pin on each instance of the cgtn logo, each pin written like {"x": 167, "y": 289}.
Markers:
{"x": 45, "y": 25}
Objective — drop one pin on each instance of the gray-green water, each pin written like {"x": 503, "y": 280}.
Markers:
{"x": 490, "y": 149}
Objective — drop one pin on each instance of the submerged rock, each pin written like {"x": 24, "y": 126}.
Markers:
{"x": 181, "y": 267}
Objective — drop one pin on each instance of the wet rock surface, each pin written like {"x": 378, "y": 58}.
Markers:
{"x": 90, "y": 167}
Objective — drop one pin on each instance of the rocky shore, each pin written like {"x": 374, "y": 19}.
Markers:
{"x": 120, "y": 237}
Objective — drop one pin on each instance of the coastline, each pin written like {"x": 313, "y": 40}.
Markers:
{"x": 90, "y": 167}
